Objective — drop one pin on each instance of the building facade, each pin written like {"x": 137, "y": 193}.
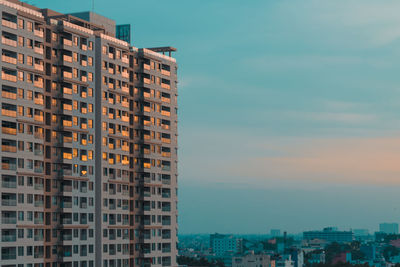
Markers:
{"x": 89, "y": 144}
{"x": 330, "y": 234}
{"x": 225, "y": 244}
{"x": 251, "y": 260}
{"x": 389, "y": 228}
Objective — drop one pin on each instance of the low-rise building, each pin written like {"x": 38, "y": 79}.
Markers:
{"x": 330, "y": 234}
{"x": 251, "y": 260}
{"x": 225, "y": 244}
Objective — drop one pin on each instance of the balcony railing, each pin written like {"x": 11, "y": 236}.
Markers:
{"x": 6, "y": 41}
{"x": 7, "y": 130}
{"x": 8, "y": 148}
{"x": 67, "y": 58}
{"x": 9, "y": 184}
{"x": 38, "y": 50}
{"x": 8, "y": 59}
{"x": 9, "y": 220}
{"x": 9, "y": 113}
{"x": 9, "y": 77}
{"x": 8, "y": 95}
{"x": 67, "y": 42}
{"x": 39, "y": 67}
{"x": 9, "y": 202}
{"x": 125, "y": 59}
{"x": 165, "y": 72}
{"x": 9, "y": 24}
{"x": 38, "y": 33}
{"x": 165, "y": 86}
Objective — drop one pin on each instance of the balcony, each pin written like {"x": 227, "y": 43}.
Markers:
{"x": 67, "y": 123}
{"x": 9, "y": 77}
{"x": 125, "y": 118}
{"x": 9, "y": 238}
{"x": 165, "y": 113}
{"x": 125, "y": 74}
{"x": 8, "y": 130}
{"x": 9, "y": 113}
{"x": 9, "y": 256}
{"x": 8, "y": 220}
{"x": 67, "y": 42}
{"x": 9, "y": 202}
{"x": 38, "y": 203}
{"x": 39, "y": 101}
{"x": 125, "y": 89}
{"x": 38, "y": 50}
{"x": 67, "y": 220}
{"x": 165, "y": 72}
{"x": 39, "y": 186}
{"x": 9, "y": 184}
{"x": 67, "y": 58}
{"x": 166, "y": 140}
{"x": 125, "y": 59}
{"x": 8, "y": 148}
{"x": 10, "y": 42}
{"x": 38, "y": 33}
{"x": 38, "y": 170}
{"x": 39, "y": 67}
{"x": 125, "y": 104}
{"x": 38, "y": 83}
{"x": 166, "y": 195}
{"x": 165, "y": 99}
{"x": 66, "y": 205}
{"x": 8, "y": 95}
{"x": 165, "y": 86}
{"x": 67, "y": 90}
{"x": 9, "y": 24}
{"x": 8, "y": 59}
{"x": 39, "y": 118}
{"x": 67, "y": 74}
{"x": 166, "y": 208}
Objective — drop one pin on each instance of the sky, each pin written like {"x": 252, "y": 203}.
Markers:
{"x": 288, "y": 110}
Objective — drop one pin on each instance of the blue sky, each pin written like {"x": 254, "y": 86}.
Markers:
{"x": 289, "y": 110}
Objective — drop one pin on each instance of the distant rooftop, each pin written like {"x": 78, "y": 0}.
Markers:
{"x": 108, "y": 24}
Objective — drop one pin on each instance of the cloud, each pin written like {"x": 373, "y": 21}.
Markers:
{"x": 330, "y": 161}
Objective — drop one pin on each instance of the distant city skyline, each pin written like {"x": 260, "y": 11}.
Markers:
{"x": 289, "y": 111}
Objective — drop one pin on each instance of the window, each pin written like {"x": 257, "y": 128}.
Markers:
{"x": 21, "y": 58}
{"x": 29, "y": 26}
{"x": 20, "y": 41}
{"x": 20, "y": 23}
{"x": 20, "y": 93}
{"x": 54, "y": 36}
{"x": 29, "y": 60}
{"x": 75, "y": 41}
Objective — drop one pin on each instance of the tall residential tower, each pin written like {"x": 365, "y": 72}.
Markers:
{"x": 88, "y": 144}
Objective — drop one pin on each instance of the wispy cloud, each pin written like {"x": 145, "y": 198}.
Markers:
{"x": 331, "y": 161}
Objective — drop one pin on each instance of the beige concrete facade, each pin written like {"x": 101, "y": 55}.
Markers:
{"x": 89, "y": 144}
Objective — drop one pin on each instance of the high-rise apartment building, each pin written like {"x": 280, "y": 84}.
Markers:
{"x": 389, "y": 228}
{"x": 88, "y": 144}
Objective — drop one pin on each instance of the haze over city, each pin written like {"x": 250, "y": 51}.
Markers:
{"x": 288, "y": 109}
